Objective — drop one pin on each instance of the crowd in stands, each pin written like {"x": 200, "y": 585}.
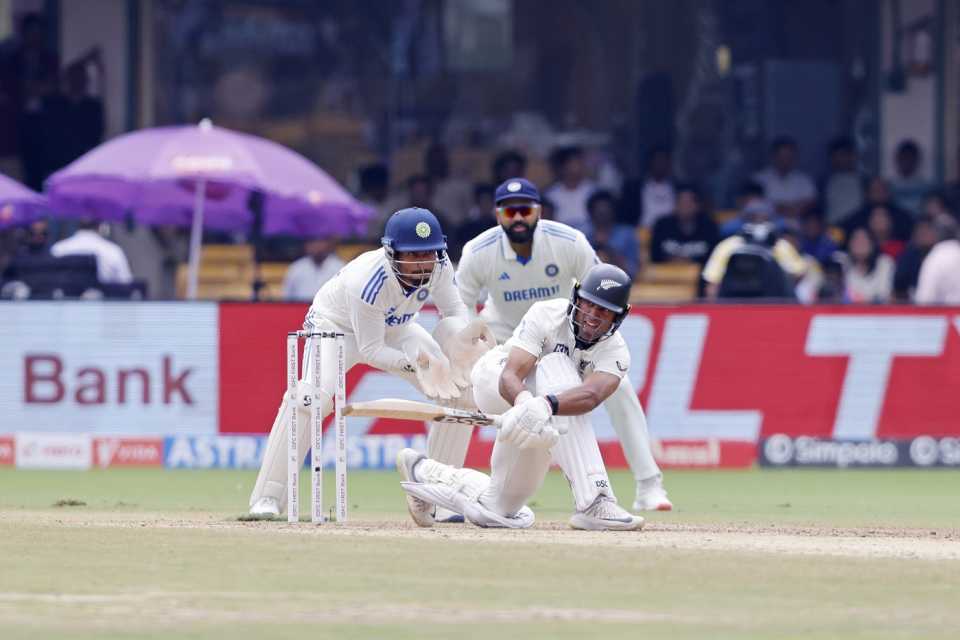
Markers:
{"x": 847, "y": 238}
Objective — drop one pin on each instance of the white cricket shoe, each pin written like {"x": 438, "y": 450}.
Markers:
{"x": 605, "y": 515}
{"x": 420, "y": 510}
{"x": 266, "y": 507}
{"x": 651, "y": 496}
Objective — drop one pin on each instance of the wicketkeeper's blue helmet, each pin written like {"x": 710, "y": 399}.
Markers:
{"x": 413, "y": 229}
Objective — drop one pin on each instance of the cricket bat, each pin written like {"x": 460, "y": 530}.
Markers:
{"x": 410, "y": 410}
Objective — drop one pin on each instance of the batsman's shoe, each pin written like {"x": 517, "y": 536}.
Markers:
{"x": 651, "y": 496}
{"x": 265, "y": 507}
{"x": 478, "y": 514}
{"x": 445, "y": 516}
{"x": 420, "y": 510}
{"x": 605, "y": 515}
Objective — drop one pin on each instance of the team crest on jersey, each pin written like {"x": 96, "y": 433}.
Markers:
{"x": 583, "y": 365}
{"x": 422, "y": 229}
{"x": 608, "y": 284}
{"x": 552, "y": 270}
{"x": 422, "y": 294}
{"x": 561, "y": 348}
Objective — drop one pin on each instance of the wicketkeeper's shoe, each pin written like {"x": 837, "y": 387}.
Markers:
{"x": 266, "y": 507}
{"x": 605, "y": 515}
{"x": 420, "y": 510}
{"x": 651, "y": 496}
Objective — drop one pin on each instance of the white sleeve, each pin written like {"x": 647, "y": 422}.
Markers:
{"x": 446, "y": 296}
{"x": 468, "y": 281}
{"x": 120, "y": 268}
{"x": 530, "y": 333}
{"x": 289, "y": 292}
{"x": 586, "y": 257}
{"x": 927, "y": 281}
{"x": 614, "y": 357}
{"x": 369, "y": 330}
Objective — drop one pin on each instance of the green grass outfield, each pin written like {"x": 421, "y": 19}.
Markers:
{"x": 751, "y": 554}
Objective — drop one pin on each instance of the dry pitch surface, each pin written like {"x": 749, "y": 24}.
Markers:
{"x": 747, "y": 554}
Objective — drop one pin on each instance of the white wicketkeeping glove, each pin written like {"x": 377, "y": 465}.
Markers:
{"x": 466, "y": 347}
{"x": 433, "y": 374}
{"x": 528, "y": 426}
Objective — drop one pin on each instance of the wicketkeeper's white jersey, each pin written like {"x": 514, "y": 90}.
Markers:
{"x": 561, "y": 254}
{"x": 546, "y": 329}
{"x": 366, "y": 300}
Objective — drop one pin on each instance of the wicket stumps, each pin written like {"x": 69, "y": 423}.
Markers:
{"x": 294, "y": 459}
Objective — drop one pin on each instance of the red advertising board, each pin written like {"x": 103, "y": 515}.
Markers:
{"x": 127, "y": 452}
{"x": 714, "y": 380}
{"x": 7, "y": 448}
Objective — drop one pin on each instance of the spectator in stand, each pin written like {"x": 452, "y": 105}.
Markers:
{"x": 939, "y": 281}
{"x": 843, "y": 188}
{"x": 451, "y": 195}
{"x": 508, "y": 164}
{"x": 614, "y": 243}
{"x": 878, "y": 195}
{"x": 572, "y": 188}
{"x": 750, "y": 200}
{"x": 112, "y": 264}
{"x": 480, "y": 217}
{"x": 813, "y": 237}
{"x": 908, "y": 264}
{"x": 869, "y": 273}
{"x": 374, "y": 191}
{"x": 418, "y": 193}
{"x": 790, "y": 190}
{"x": 652, "y": 197}
{"x": 688, "y": 235}
{"x": 758, "y": 226}
{"x": 305, "y": 276}
{"x": 28, "y": 70}
{"x": 909, "y": 188}
{"x": 83, "y": 112}
{"x": 36, "y": 241}
{"x": 880, "y": 224}
{"x": 935, "y": 205}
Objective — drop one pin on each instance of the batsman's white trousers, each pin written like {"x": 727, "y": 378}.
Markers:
{"x": 516, "y": 474}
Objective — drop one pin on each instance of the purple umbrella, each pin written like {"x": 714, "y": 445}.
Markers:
{"x": 203, "y": 176}
{"x": 18, "y": 204}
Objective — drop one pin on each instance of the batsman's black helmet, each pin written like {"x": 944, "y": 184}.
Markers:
{"x": 607, "y": 286}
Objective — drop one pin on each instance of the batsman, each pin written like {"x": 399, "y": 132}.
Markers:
{"x": 374, "y": 301}
{"x": 517, "y": 263}
{"x": 563, "y": 360}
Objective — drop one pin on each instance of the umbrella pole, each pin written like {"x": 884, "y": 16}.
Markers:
{"x": 196, "y": 234}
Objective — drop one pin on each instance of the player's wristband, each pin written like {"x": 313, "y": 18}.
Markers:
{"x": 554, "y": 403}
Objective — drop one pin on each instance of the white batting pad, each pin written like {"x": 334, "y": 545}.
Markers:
{"x": 576, "y": 453}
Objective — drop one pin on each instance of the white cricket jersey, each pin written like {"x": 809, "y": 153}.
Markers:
{"x": 561, "y": 254}
{"x": 546, "y": 329}
{"x": 365, "y": 299}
